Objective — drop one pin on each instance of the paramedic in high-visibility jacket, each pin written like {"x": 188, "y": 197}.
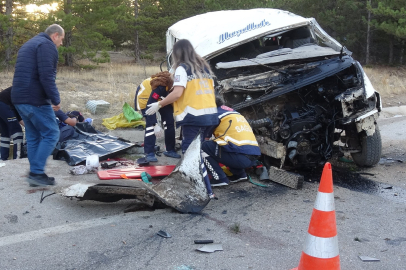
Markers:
{"x": 193, "y": 95}
{"x": 234, "y": 146}
{"x": 151, "y": 90}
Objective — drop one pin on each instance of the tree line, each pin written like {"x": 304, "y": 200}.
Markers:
{"x": 375, "y": 31}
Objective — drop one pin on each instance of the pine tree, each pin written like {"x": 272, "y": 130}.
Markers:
{"x": 87, "y": 25}
{"x": 390, "y": 17}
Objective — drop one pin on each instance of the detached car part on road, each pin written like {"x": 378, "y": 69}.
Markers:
{"x": 183, "y": 189}
{"x": 305, "y": 97}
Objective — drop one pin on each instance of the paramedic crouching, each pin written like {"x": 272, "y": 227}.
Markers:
{"x": 235, "y": 146}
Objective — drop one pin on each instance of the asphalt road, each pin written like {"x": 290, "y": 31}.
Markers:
{"x": 259, "y": 228}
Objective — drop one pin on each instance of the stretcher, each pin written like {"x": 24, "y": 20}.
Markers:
{"x": 135, "y": 173}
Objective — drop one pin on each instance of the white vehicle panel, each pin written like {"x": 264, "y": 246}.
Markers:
{"x": 215, "y": 31}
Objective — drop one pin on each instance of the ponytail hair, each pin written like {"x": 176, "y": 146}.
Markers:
{"x": 183, "y": 52}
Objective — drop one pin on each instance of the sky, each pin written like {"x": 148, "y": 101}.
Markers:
{"x": 42, "y": 8}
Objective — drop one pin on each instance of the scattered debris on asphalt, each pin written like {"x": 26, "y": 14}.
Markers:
{"x": 368, "y": 259}
{"x": 203, "y": 241}
{"x": 183, "y": 189}
{"x": 108, "y": 164}
{"x": 164, "y": 234}
{"x": 43, "y": 197}
{"x": 82, "y": 169}
{"x": 210, "y": 248}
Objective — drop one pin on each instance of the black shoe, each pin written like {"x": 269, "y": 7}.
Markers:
{"x": 238, "y": 178}
{"x": 218, "y": 183}
{"x": 41, "y": 179}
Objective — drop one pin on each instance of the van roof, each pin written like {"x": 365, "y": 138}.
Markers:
{"x": 214, "y": 32}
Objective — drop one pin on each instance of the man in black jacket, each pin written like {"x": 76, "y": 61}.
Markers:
{"x": 36, "y": 97}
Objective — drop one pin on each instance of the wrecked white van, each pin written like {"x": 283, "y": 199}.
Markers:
{"x": 305, "y": 97}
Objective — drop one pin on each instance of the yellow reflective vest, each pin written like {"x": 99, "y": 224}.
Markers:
{"x": 197, "y": 105}
{"x": 238, "y": 135}
{"x": 143, "y": 93}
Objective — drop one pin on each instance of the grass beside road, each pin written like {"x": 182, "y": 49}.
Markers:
{"x": 388, "y": 80}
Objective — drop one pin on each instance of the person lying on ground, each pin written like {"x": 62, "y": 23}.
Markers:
{"x": 66, "y": 123}
{"x": 234, "y": 145}
{"x": 150, "y": 91}
{"x": 10, "y": 125}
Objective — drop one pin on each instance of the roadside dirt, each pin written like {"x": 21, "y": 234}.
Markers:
{"x": 394, "y": 100}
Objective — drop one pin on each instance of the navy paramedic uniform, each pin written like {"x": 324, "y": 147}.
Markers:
{"x": 145, "y": 96}
{"x": 9, "y": 125}
{"x": 237, "y": 148}
{"x": 196, "y": 109}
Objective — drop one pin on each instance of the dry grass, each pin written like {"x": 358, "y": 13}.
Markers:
{"x": 115, "y": 83}
{"x": 388, "y": 81}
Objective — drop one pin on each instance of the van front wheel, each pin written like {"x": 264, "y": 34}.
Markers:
{"x": 371, "y": 149}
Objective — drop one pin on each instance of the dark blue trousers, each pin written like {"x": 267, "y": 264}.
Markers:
{"x": 66, "y": 132}
{"x": 167, "y": 121}
{"x": 10, "y": 131}
{"x": 190, "y": 132}
{"x": 188, "y": 135}
{"x": 235, "y": 161}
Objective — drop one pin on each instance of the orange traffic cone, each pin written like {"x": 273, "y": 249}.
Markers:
{"x": 321, "y": 247}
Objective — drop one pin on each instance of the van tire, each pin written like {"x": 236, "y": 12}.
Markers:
{"x": 371, "y": 149}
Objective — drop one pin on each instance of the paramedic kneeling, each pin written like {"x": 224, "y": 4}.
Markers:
{"x": 234, "y": 146}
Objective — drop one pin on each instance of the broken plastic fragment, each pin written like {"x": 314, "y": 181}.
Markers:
{"x": 109, "y": 164}
{"x": 164, "y": 234}
{"x": 77, "y": 190}
{"x": 203, "y": 241}
{"x": 210, "y": 248}
{"x": 368, "y": 259}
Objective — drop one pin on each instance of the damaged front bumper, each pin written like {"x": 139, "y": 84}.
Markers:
{"x": 359, "y": 110}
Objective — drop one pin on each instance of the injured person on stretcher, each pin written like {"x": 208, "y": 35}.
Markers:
{"x": 234, "y": 145}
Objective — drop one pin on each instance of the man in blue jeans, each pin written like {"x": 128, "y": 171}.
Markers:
{"x": 36, "y": 97}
